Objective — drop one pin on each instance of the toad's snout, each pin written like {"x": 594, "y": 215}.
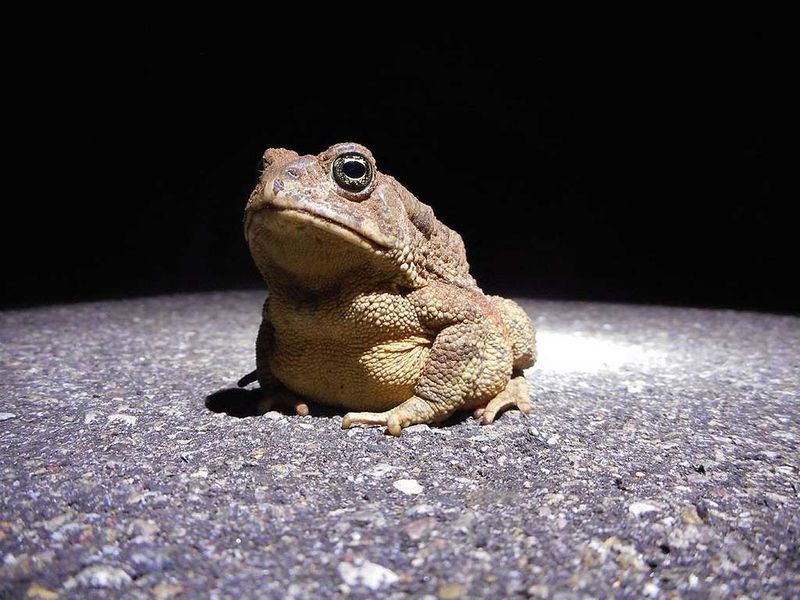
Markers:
{"x": 277, "y": 157}
{"x": 281, "y": 168}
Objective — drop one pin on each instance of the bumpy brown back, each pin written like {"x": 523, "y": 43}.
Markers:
{"x": 439, "y": 251}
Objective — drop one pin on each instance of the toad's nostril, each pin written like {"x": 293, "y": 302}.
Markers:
{"x": 279, "y": 156}
{"x": 268, "y": 158}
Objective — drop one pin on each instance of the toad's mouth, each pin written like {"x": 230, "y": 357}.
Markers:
{"x": 363, "y": 233}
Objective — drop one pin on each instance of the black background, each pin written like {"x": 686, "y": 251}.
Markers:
{"x": 625, "y": 168}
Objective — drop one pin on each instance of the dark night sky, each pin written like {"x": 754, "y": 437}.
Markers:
{"x": 632, "y": 170}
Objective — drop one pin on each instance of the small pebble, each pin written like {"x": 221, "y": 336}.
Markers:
{"x": 122, "y": 418}
{"x": 690, "y": 516}
{"x": 367, "y": 574}
{"x": 166, "y": 591}
{"x": 416, "y": 530}
{"x": 408, "y": 486}
{"x": 452, "y": 591}
{"x": 101, "y": 576}
{"x": 41, "y": 593}
{"x": 640, "y": 508}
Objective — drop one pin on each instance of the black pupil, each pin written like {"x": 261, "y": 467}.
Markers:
{"x": 354, "y": 169}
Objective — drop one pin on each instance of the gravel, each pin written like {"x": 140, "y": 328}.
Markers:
{"x": 661, "y": 459}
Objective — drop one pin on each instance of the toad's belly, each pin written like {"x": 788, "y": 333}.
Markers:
{"x": 353, "y": 374}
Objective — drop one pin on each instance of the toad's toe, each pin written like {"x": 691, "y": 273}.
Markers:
{"x": 515, "y": 395}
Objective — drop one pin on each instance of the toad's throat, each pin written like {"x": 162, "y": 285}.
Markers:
{"x": 363, "y": 234}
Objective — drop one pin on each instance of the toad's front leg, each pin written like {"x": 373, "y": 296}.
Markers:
{"x": 469, "y": 363}
{"x": 412, "y": 411}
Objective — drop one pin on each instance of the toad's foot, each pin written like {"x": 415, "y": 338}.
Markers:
{"x": 275, "y": 396}
{"x": 283, "y": 399}
{"x": 411, "y": 412}
{"x": 515, "y": 394}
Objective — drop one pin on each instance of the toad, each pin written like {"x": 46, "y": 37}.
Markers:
{"x": 371, "y": 306}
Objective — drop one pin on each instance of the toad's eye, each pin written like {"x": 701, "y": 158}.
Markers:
{"x": 352, "y": 171}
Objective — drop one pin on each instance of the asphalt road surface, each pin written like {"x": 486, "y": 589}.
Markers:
{"x": 661, "y": 459}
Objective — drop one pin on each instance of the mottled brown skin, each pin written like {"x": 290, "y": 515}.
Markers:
{"x": 371, "y": 306}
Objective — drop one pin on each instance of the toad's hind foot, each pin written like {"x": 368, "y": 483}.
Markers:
{"x": 411, "y": 412}
{"x": 515, "y": 394}
{"x": 282, "y": 399}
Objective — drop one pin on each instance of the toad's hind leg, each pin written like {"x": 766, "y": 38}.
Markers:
{"x": 467, "y": 361}
{"x": 411, "y": 412}
{"x": 273, "y": 393}
{"x": 515, "y": 394}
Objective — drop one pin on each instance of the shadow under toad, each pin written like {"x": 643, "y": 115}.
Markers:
{"x": 240, "y": 403}
{"x": 235, "y": 402}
